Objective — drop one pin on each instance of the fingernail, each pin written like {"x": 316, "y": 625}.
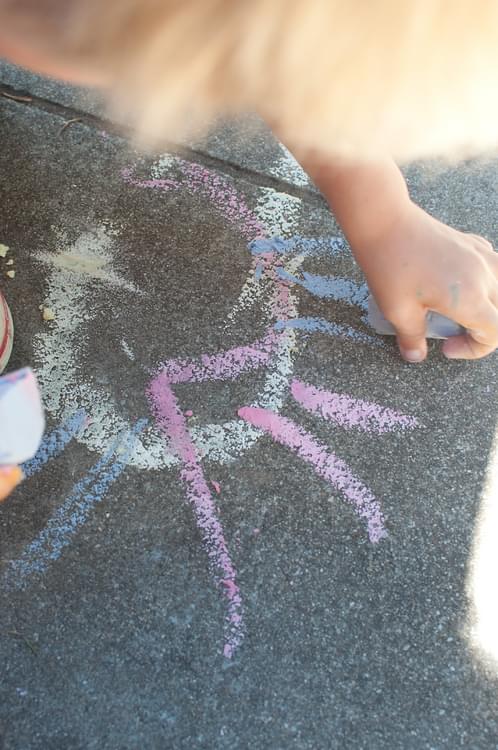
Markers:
{"x": 413, "y": 355}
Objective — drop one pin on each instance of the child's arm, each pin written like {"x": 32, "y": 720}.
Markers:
{"x": 413, "y": 263}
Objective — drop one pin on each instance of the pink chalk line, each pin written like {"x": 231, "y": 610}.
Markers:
{"x": 349, "y": 412}
{"x": 225, "y": 365}
{"x": 326, "y": 464}
{"x": 235, "y": 210}
{"x": 172, "y": 424}
{"x": 168, "y": 184}
{"x": 225, "y": 198}
{"x": 217, "y": 189}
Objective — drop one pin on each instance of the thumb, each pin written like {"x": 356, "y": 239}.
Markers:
{"x": 410, "y": 332}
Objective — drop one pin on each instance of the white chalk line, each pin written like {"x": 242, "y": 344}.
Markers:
{"x": 73, "y": 270}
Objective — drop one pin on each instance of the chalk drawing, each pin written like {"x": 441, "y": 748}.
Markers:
{"x": 127, "y": 350}
{"x": 330, "y": 287}
{"x": 279, "y": 213}
{"x": 82, "y": 267}
{"x": 319, "y": 325}
{"x": 55, "y": 442}
{"x": 74, "y": 512}
{"x": 315, "y": 246}
{"x": 171, "y": 421}
{"x": 287, "y": 168}
{"x": 78, "y": 271}
{"x": 325, "y": 463}
{"x": 71, "y": 289}
{"x": 349, "y": 412}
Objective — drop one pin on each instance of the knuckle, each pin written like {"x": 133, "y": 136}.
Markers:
{"x": 481, "y": 241}
{"x": 410, "y": 336}
{"x": 480, "y": 269}
{"x": 474, "y": 293}
{"x": 485, "y": 243}
{"x": 400, "y": 316}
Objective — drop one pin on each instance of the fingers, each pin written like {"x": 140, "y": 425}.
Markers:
{"x": 465, "y": 347}
{"x": 473, "y": 345}
{"x": 10, "y": 476}
{"x": 481, "y": 338}
{"x": 410, "y": 325}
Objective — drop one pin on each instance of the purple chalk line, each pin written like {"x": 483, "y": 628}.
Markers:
{"x": 171, "y": 421}
{"x": 326, "y": 464}
{"x": 349, "y": 412}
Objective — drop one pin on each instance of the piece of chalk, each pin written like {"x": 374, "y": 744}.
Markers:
{"x": 438, "y": 326}
{"x": 21, "y": 417}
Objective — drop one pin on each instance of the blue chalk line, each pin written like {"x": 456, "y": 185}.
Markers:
{"x": 320, "y": 325}
{"x": 330, "y": 287}
{"x": 301, "y": 245}
{"x": 54, "y": 443}
{"x": 74, "y": 512}
{"x": 258, "y": 272}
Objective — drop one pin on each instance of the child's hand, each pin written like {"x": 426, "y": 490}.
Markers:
{"x": 419, "y": 264}
{"x": 10, "y": 476}
{"x": 413, "y": 263}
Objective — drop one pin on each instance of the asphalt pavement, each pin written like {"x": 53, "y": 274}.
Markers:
{"x": 250, "y": 524}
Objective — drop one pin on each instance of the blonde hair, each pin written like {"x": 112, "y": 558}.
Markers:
{"x": 414, "y": 77}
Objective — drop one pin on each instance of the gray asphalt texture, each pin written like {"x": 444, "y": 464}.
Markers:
{"x": 118, "y": 643}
